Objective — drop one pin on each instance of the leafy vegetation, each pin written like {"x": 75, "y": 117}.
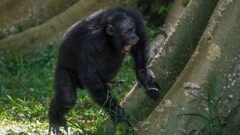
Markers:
{"x": 22, "y": 114}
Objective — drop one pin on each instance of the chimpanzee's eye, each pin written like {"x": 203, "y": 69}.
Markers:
{"x": 130, "y": 30}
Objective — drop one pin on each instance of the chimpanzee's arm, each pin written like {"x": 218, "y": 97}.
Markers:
{"x": 144, "y": 74}
{"x": 140, "y": 53}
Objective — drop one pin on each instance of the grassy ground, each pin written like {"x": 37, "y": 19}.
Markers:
{"x": 21, "y": 114}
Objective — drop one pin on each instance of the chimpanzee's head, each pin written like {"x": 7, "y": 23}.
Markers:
{"x": 122, "y": 29}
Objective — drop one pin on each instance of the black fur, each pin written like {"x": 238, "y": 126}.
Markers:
{"x": 91, "y": 55}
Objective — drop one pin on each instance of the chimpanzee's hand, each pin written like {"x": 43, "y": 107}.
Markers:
{"x": 153, "y": 90}
{"x": 55, "y": 123}
{"x": 147, "y": 78}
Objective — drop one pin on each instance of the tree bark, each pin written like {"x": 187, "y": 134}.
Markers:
{"x": 207, "y": 92}
{"x": 172, "y": 58}
{"x": 36, "y": 38}
{"x": 19, "y": 15}
{"x": 170, "y": 23}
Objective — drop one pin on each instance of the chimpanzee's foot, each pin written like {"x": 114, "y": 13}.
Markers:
{"x": 55, "y": 124}
{"x": 118, "y": 115}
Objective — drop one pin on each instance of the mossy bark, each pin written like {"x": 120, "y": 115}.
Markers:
{"x": 172, "y": 58}
{"x": 36, "y": 38}
{"x": 20, "y": 15}
{"x": 207, "y": 92}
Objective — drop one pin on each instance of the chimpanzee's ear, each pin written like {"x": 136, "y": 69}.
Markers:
{"x": 110, "y": 29}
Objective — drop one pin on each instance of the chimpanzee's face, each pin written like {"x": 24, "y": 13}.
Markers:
{"x": 129, "y": 37}
{"x": 123, "y": 31}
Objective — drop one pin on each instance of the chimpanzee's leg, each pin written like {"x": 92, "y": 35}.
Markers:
{"x": 64, "y": 99}
{"x": 104, "y": 98}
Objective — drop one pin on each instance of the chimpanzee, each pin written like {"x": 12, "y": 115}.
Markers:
{"x": 91, "y": 54}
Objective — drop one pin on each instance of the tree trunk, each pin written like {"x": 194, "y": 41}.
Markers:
{"x": 19, "y": 15}
{"x": 170, "y": 23}
{"x": 36, "y": 38}
{"x": 171, "y": 60}
{"x": 205, "y": 96}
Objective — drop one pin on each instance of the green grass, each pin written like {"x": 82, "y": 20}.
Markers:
{"x": 21, "y": 114}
